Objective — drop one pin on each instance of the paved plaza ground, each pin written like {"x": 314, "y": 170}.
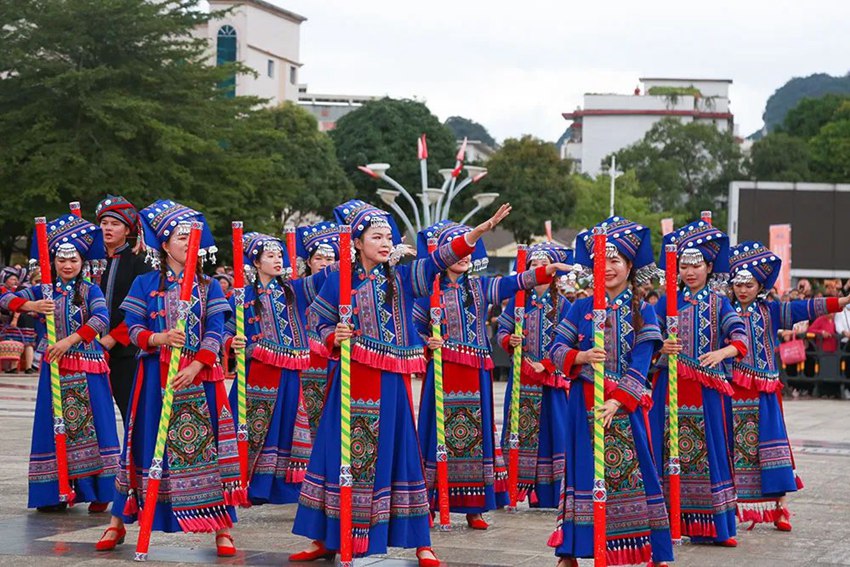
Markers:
{"x": 820, "y": 432}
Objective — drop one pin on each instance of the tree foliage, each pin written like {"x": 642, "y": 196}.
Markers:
{"x": 791, "y": 93}
{"x": 780, "y": 157}
{"x": 385, "y": 131}
{"x": 466, "y": 128}
{"x": 807, "y": 118}
{"x": 530, "y": 175}
{"x": 683, "y": 168}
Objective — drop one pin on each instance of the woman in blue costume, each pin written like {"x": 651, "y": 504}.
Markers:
{"x": 278, "y": 350}
{"x": 477, "y": 473}
{"x": 637, "y": 525}
{"x": 543, "y": 388}
{"x": 763, "y": 463}
{"x": 81, "y": 315}
{"x": 711, "y": 334}
{"x": 200, "y": 472}
{"x": 390, "y": 501}
{"x": 318, "y": 247}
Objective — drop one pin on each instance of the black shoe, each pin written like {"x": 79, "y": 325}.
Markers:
{"x": 53, "y": 509}
{"x": 30, "y": 371}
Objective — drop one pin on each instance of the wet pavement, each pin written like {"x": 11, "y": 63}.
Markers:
{"x": 820, "y": 431}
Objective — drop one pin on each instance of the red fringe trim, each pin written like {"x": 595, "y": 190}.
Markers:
{"x": 551, "y": 380}
{"x": 204, "y": 523}
{"x": 699, "y": 529}
{"x": 799, "y": 482}
{"x": 319, "y": 348}
{"x": 557, "y": 538}
{"x": 751, "y": 380}
{"x": 296, "y": 475}
{"x": 360, "y": 545}
{"x": 236, "y": 497}
{"x": 387, "y": 362}
{"x": 472, "y": 359}
{"x": 688, "y": 372}
{"x": 131, "y": 506}
{"x": 467, "y": 500}
{"x": 629, "y": 555}
{"x": 281, "y": 360}
{"x": 759, "y": 512}
{"x": 74, "y": 362}
{"x": 646, "y": 401}
{"x": 213, "y": 373}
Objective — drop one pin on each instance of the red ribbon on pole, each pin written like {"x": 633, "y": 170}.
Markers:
{"x": 291, "y": 250}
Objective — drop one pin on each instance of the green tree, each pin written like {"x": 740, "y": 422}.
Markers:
{"x": 117, "y": 96}
{"x": 385, "y": 131}
{"x": 791, "y": 93}
{"x": 466, "y": 128}
{"x": 807, "y": 118}
{"x": 530, "y": 175}
{"x": 305, "y": 175}
{"x": 830, "y": 148}
{"x": 683, "y": 168}
{"x": 780, "y": 157}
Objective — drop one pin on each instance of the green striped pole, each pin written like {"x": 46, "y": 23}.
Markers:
{"x": 513, "y": 439}
{"x": 346, "y": 481}
{"x": 241, "y": 377}
{"x": 600, "y": 493}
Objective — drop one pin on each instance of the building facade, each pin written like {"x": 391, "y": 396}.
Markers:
{"x": 609, "y": 122}
{"x": 262, "y": 36}
{"x": 329, "y": 108}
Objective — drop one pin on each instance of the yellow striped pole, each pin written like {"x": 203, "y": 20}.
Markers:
{"x": 442, "y": 453}
{"x": 513, "y": 438}
{"x": 346, "y": 481}
{"x": 600, "y": 493}
{"x": 66, "y": 493}
{"x": 155, "y": 471}
{"x": 673, "y": 467}
{"x": 241, "y": 378}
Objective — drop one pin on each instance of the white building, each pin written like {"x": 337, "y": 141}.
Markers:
{"x": 262, "y": 36}
{"x": 610, "y": 122}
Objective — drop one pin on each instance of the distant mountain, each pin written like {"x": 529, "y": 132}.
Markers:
{"x": 466, "y": 128}
{"x": 788, "y": 95}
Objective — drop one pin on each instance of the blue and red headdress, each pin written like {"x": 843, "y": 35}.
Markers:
{"x": 160, "y": 220}
{"x": 754, "y": 261}
{"x": 320, "y": 238}
{"x": 700, "y": 242}
{"x": 254, "y": 244}
{"x": 361, "y": 215}
{"x": 121, "y": 209}
{"x": 69, "y": 235}
{"x": 446, "y": 231}
{"x": 633, "y": 241}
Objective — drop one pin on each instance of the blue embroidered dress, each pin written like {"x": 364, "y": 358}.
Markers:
{"x": 763, "y": 463}
{"x": 200, "y": 476}
{"x": 278, "y": 350}
{"x": 636, "y": 516}
{"x": 92, "y": 437}
{"x": 390, "y": 502}
{"x": 477, "y": 472}
{"x": 543, "y": 401}
{"x": 707, "y": 322}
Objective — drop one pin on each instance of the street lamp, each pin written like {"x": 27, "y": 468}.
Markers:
{"x": 614, "y": 174}
{"x": 482, "y": 200}
{"x": 435, "y": 201}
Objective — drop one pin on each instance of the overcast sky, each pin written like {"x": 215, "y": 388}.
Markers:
{"x": 515, "y": 66}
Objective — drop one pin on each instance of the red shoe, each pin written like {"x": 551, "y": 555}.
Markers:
{"x": 427, "y": 561}
{"x": 321, "y": 553}
{"x": 109, "y": 544}
{"x": 731, "y": 542}
{"x": 477, "y": 523}
{"x": 225, "y": 550}
{"x": 98, "y": 507}
{"x": 783, "y": 522}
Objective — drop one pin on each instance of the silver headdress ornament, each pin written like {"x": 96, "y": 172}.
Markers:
{"x": 325, "y": 250}
{"x": 743, "y": 276}
{"x": 691, "y": 257}
{"x": 66, "y": 251}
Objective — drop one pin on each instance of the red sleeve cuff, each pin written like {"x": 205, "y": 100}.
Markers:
{"x": 570, "y": 362}
{"x": 227, "y": 346}
{"x": 628, "y": 401}
{"x": 505, "y": 342}
{"x": 541, "y": 276}
{"x": 460, "y": 248}
{"x": 741, "y": 347}
{"x": 144, "y": 341}
{"x": 206, "y": 357}
{"x": 121, "y": 334}
{"x": 87, "y": 333}
{"x": 832, "y": 305}
{"x": 16, "y": 303}
{"x": 548, "y": 365}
